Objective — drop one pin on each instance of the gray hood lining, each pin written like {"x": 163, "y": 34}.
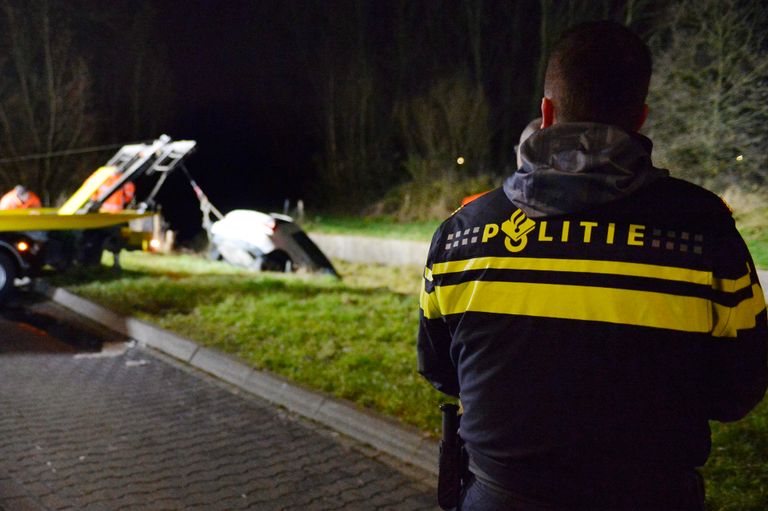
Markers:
{"x": 571, "y": 167}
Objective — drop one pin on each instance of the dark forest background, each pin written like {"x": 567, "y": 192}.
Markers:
{"x": 362, "y": 106}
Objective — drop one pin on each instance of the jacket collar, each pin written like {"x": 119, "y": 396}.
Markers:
{"x": 571, "y": 167}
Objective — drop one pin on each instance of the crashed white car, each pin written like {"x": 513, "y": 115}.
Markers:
{"x": 265, "y": 242}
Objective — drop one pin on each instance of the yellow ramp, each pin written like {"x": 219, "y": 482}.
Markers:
{"x": 84, "y": 193}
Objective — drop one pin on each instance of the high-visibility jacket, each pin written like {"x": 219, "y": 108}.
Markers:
{"x": 118, "y": 200}
{"x": 590, "y": 348}
{"x": 12, "y": 200}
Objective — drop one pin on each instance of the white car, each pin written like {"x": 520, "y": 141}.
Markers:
{"x": 266, "y": 242}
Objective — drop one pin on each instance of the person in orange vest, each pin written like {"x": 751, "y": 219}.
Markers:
{"x": 115, "y": 203}
{"x": 118, "y": 200}
{"x": 19, "y": 198}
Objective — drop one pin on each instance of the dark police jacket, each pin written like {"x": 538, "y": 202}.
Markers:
{"x": 592, "y": 314}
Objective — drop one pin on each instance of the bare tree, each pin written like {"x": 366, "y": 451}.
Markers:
{"x": 44, "y": 96}
{"x": 449, "y": 122}
{"x": 134, "y": 86}
{"x": 353, "y": 120}
{"x": 709, "y": 92}
{"x": 446, "y": 135}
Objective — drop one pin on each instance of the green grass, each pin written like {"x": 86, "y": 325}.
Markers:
{"x": 383, "y": 227}
{"x": 353, "y": 339}
{"x": 737, "y": 470}
{"x": 753, "y": 226}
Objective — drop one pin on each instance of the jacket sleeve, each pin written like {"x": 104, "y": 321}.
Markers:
{"x": 434, "y": 339}
{"x": 738, "y": 351}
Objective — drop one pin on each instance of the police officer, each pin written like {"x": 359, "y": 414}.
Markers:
{"x": 594, "y": 313}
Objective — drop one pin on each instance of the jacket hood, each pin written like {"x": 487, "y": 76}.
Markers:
{"x": 571, "y": 167}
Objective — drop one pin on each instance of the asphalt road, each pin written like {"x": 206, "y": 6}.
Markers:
{"x": 90, "y": 422}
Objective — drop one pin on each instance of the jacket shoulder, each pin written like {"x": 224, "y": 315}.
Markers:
{"x": 694, "y": 195}
{"x": 673, "y": 200}
{"x": 467, "y": 220}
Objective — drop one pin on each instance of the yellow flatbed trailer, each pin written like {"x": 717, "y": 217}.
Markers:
{"x": 27, "y": 236}
{"x": 46, "y": 219}
{"x": 26, "y": 239}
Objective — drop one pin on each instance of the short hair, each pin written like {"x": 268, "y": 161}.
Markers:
{"x": 599, "y": 72}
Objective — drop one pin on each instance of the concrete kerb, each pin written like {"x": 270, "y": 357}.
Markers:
{"x": 381, "y": 433}
{"x": 368, "y": 249}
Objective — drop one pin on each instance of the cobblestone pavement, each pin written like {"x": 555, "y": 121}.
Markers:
{"x": 129, "y": 430}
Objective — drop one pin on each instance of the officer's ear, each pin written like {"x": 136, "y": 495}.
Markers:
{"x": 642, "y": 118}
{"x": 547, "y": 112}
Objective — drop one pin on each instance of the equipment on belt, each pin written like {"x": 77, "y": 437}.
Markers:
{"x": 452, "y": 460}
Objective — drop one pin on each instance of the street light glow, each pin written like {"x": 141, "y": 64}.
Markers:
{"x": 460, "y": 160}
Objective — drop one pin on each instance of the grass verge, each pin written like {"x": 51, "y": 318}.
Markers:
{"x": 353, "y": 339}
{"x": 753, "y": 226}
{"x": 383, "y": 227}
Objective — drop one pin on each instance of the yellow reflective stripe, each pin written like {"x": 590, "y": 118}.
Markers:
{"x": 729, "y": 320}
{"x": 610, "y": 305}
{"x": 732, "y": 285}
{"x": 428, "y": 274}
{"x": 575, "y": 265}
{"x": 428, "y": 303}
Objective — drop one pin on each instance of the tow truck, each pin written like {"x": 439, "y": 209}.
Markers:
{"x": 77, "y": 233}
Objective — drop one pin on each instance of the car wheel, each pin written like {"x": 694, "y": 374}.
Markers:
{"x": 277, "y": 261}
{"x": 8, "y": 274}
{"x": 214, "y": 254}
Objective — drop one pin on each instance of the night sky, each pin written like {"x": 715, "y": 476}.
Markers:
{"x": 245, "y": 89}
{"x": 237, "y": 93}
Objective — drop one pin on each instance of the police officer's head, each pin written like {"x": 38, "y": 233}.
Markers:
{"x": 598, "y": 72}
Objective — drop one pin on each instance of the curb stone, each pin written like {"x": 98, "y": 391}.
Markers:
{"x": 367, "y": 249}
{"x": 383, "y": 434}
